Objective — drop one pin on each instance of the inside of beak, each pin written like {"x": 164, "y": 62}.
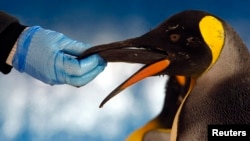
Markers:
{"x": 148, "y": 70}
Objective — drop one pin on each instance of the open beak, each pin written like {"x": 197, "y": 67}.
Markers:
{"x": 134, "y": 50}
{"x": 146, "y": 71}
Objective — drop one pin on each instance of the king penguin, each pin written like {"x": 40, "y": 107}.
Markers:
{"x": 203, "y": 48}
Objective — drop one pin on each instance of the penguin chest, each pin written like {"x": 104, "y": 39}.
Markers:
{"x": 218, "y": 102}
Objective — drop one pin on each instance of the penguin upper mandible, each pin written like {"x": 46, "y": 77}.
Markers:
{"x": 196, "y": 45}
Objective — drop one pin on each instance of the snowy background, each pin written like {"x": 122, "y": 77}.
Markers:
{"x": 33, "y": 111}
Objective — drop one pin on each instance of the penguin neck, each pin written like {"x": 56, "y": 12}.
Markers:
{"x": 234, "y": 58}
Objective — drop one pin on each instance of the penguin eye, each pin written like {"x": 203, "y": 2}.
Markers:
{"x": 175, "y": 37}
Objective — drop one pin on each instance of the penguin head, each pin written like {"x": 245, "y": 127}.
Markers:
{"x": 184, "y": 38}
{"x": 186, "y": 44}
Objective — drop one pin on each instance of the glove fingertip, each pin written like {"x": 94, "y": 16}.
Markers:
{"x": 100, "y": 60}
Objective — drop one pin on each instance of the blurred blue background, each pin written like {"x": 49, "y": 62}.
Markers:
{"x": 33, "y": 111}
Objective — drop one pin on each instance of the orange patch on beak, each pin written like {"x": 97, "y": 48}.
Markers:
{"x": 146, "y": 71}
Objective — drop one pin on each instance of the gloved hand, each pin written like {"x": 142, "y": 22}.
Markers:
{"x": 51, "y": 57}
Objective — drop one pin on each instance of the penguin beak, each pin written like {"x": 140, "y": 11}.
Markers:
{"x": 132, "y": 50}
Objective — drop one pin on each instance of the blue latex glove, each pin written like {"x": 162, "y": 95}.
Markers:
{"x": 51, "y": 57}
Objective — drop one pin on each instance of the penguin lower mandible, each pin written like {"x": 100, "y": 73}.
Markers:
{"x": 199, "y": 46}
